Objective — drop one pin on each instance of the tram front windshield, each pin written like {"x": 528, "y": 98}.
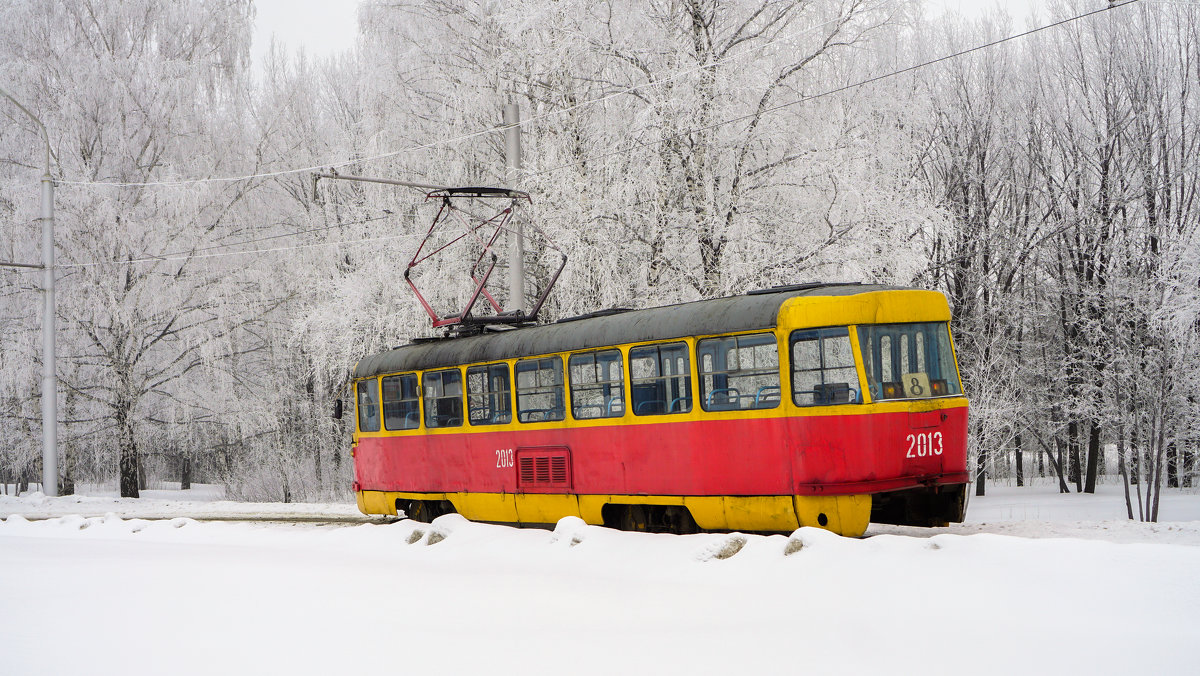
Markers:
{"x": 908, "y": 361}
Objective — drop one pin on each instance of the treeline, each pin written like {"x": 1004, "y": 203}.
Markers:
{"x": 676, "y": 151}
{"x": 1068, "y": 166}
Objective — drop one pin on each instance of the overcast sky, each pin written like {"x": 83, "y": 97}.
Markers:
{"x": 321, "y": 27}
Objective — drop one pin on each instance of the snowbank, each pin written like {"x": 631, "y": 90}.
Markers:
{"x": 106, "y": 595}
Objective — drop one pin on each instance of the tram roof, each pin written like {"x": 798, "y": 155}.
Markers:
{"x": 755, "y": 310}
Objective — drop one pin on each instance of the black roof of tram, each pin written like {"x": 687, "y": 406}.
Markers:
{"x": 755, "y": 310}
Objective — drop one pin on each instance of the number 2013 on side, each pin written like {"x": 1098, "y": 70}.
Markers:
{"x": 924, "y": 444}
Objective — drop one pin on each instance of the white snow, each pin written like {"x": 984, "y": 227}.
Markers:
{"x": 121, "y": 595}
{"x": 200, "y": 501}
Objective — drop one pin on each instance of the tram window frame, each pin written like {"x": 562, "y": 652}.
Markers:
{"x": 829, "y": 391}
{"x": 443, "y": 409}
{"x": 546, "y": 392}
{"x": 894, "y": 354}
{"x": 495, "y": 403}
{"x": 395, "y": 410}
{"x": 663, "y": 387}
{"x": 721, "y": 387}
{"x": 597, "y": 397}
{"x": 366, "y": 400}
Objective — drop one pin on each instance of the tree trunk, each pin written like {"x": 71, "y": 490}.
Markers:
{"x": 1189, "y": 467}
{"x": 1158, "y": 463}
{"x": 1135, "y": 460}
{"x": 1172, "y": 466}
{"x": 980, "y": 474}
{"x": 1122, "y": 472}
{"x": 1058, "y": 466}
{"x": 67, "y": 458}
{"x": 127, "y": 446}
{"x": 1073, "y": 469}
{"x": 1093, "y": 457}
{"x": 1020, "y": 460}
{"x": 185, "y": 473}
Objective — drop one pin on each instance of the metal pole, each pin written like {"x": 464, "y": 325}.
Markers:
{"x": 49, "y": 380}
{"x": 516, "y": 245}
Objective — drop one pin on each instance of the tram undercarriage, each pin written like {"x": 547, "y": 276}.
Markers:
{"x": 928, "y": 506}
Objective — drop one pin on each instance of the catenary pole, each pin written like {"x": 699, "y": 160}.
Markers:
{"x": 49, "y": 380}
{"x": 516, "y": 246}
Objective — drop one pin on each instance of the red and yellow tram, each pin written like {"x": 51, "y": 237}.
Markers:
{"x": 812, "y": 405}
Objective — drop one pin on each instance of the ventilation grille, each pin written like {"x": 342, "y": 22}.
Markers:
{"x": 543, "y": 468}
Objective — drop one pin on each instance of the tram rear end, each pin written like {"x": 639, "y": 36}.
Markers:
{"x": 900, "y": 435}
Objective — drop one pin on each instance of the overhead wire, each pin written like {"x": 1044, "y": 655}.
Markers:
{"x": 804, "y": 99}
{"x": 662, "y": 139}
{"x": 223, "y": 254}
{"x": 197, "y": 253}
{"x": 297, "y": 233}
{"x": 463, "y": 137}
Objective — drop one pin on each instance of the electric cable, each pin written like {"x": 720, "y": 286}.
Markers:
{"x": 464, "y": 137}
{"x": 804, "y": 99}
{"x": 643, "y": 144}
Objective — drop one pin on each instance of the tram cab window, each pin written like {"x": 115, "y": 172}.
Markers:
{"x": 823, "y": 371}
{"x": 738, "y": 372}
{"x": 368, "y": 406}
{"x": 597, "y": 385}
{"x": 401, "y": 402}
{"x": 489, "y": 395}
{"x": 443, "y": 398}
{"x": 540, "y": 395}
{"x": 909, "y": 361}
{"x": 660, "y": 380}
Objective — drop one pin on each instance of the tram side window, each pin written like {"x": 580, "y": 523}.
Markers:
{"x": 401, "y": 402}
{"x": 368, "y": 407}
{"x": 908, "y": 361}
{"x": 660, "y": 380}
{"x": 443, "y": 398}
{"x": 540, "y": 390}
{"x": 823, "y": 370}
{"x": 738, "y": 372}
{"x": 489, "y": 395}
{"x": 597, "y": 385}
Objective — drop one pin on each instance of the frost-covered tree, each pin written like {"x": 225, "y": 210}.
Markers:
{"x": 140, "y": 93}
{"x": 1064, "y": 178}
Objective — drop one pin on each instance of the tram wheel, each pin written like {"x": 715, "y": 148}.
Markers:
{"x": 425, "y": 511}
{"x": 650, "y": 518}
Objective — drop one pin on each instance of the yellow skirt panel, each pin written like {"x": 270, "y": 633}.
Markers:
{"x": 843, "y": 514}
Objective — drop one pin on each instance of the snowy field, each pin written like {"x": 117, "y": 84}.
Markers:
{"x": 1035, "y": 582}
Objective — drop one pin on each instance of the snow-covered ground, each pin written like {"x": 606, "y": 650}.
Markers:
{"x": 202, "y": 501}
{"x": 1081, "y": 590}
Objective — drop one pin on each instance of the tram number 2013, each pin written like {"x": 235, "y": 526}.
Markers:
{"x": 924, "y": 444}
{"x": 504, "y": 458}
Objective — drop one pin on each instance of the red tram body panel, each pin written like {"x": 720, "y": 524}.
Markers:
{"x": 837, "y": 433}
{"x": 827, "y": 455}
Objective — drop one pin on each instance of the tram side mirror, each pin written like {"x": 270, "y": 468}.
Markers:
{"x": 337, "y": 409}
